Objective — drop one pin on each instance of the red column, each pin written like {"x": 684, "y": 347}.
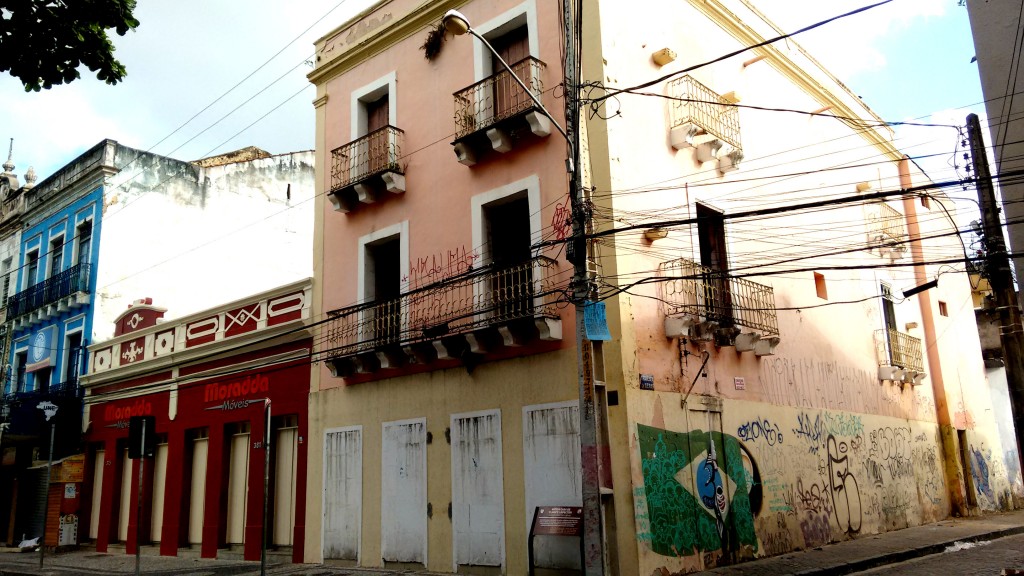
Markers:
{"x": 109, "y": 496}
{"x": 178, "y": 475}
{"x": 254, "y": 505}
{"x": 215, "y": 507}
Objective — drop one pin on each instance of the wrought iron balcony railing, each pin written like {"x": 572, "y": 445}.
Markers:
{"x": 66, "y": 283}
{"x": 886, "y": 228}
{"x": 378, "y": 152}
{"x": 895, "y": 348}
{"x": 485, "y": 297}
{"x": 497, "y": 97}
{"x": 695, "y": 104}
{"x": 693, "y": 289}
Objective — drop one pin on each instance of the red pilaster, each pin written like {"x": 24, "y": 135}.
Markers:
{"x": 254, "y": 505}
{"x": 215, "y": 516}
{"x": 299, "y": 536}
{"x": 174, "y": 487}
{"x": 109, "y": 496}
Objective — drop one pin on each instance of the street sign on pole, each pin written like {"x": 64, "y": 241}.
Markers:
{"x": 49, "y": 411}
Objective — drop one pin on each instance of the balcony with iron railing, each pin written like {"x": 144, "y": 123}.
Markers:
{"x": 366, "y": 168}
{"x": 496, "y": 113}
{"x": 887, "y": 230}
{"x": 66, "y": 290}
{"x": 900, "y": 357}
{"x": 463, "y": 318}
{"x": 704, "y": 120}
{"x": 704, "y": 304}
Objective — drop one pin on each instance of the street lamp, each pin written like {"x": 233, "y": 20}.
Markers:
{"x": 593, "y": 541}
{"x": 457, "y": 23}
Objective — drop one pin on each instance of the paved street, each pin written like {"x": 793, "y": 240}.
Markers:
{"x": 984, "y": 558}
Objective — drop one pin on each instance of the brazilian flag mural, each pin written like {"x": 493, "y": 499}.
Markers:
{"x": 720, "y": 514}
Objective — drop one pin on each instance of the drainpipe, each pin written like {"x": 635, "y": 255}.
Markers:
{"x": 947, "y": 434}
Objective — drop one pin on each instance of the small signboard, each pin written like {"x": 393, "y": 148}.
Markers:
{"x": 595, "y": 321}
{"x": 647, "y": 381}
{"x": 739, "y": 382}
{"x": 556, "y": 521}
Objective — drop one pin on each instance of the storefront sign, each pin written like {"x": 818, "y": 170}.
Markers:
{"x": 236, "y": 404}
{"x": 42, "y": 349}
{"x": 256, "y": 384}
{"x": 117, "y": 416}
{"x": 558, "y": 521}
{"x": 72, "y": 469}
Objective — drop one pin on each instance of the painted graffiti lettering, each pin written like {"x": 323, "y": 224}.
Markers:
{"x": 812, "y": 431}
{"x": 843, "y": 425}
{"x": 845, "y": 491}
{"x": 816, "y": 530}
{"x": 874, "y": 471}
{"x": 429, "y": 269}
{"x": 813, "y": 499}
{"x": 891, "y": 447}
{"x": 761, "y": 429}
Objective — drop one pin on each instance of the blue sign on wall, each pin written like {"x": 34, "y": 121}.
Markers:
{"x": 42, "y": 349}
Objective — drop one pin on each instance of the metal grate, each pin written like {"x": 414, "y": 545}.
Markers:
{"x": 895, "y": 348}
{"x": 886, "y": 227}
{"x": 377, "y": 152}
{"x": 696, "y": 104}
{"x": 481, "y": 298}
{"x": 690, "y": 288}
{"x": 497, "y": 97}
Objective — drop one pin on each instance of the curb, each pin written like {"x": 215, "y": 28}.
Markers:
{"x": 904, "y": 555}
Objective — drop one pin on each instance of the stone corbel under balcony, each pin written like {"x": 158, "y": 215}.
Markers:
{"x": 501, "y": 137}
{"x": 463, "y": 347}
{"x": 368, "y": 191}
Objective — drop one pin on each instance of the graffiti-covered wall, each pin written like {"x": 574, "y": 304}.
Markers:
{"x": 723, "y": 481}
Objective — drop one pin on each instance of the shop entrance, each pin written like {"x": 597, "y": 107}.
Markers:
{"x": 286, "y": 449}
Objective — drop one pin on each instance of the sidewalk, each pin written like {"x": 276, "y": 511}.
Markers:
{"x": 843, "y": 558}
{"x": 877, "y": 550}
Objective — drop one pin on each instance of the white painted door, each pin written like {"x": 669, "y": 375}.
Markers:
{"x": 285, "y": 449}
{"x": 404, "y": 492}
{"x": 159, "y": 482}
{"x": 478, "y": 512}
{"x": 126, "y": 497}
{"x": 197, "y": 493}
{"x": 551, "y": 465}
{"x": 238, "y": 487}
{"x": 343, "y": 492}
{"x": 97, "y": 493}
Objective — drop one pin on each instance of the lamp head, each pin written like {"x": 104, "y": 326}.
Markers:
{"x": 455, "y": 22}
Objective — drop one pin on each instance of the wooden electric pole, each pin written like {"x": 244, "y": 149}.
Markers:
{"x": 997, "y": 270}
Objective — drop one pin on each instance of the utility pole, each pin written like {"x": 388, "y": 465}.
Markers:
{"x": 997, "y": 268}
{"x": 579, "y": 256}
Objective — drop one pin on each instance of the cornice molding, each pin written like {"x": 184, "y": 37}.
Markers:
{"x": 715, "y": 11}
{"x": 375, "y": 43}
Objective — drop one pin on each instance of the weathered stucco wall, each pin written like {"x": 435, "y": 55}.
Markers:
{"x": 191, "y": 238}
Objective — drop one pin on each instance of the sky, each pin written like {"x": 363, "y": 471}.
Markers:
{"x": 909, "y": 59}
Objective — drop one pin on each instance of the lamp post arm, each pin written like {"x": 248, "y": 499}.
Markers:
{"x": 521, "y": 84}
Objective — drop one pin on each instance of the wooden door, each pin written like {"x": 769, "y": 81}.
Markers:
{"x": 238, "y": 487}
{"x": 197, "y": 494}
{"x": 343, "y": 487}
{"x": 478, "y": 494}
{"x": 404, "y": 492}
{"x": 509, "y": 97}
{"x": 286, "y": 450}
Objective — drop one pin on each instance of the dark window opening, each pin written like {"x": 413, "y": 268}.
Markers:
{"x": 32, "y": 269}
{"x": 943, "y": 309}
{"x": 56, "y": 256}
{"x": 84, "y": 240}
{"x": 73, "y": 359}
{"x": 20, "y": 360}
{"x": 507, "y": 228}
{"x": 383, "y": 287}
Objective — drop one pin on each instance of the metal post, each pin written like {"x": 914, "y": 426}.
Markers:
{"x": 266, "y": 487}
{"x": 138, "y": 502}
{"x": 997, "y": 265}
{"x": 46, "y": 505}
{"x": 593, "y": 523}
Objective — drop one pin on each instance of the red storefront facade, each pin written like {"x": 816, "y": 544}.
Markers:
{"x": 209, "y": 380}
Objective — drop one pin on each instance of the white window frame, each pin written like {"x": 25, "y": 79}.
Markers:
{"x": 385, "y": 85}
{"x": 525, "y": 13}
